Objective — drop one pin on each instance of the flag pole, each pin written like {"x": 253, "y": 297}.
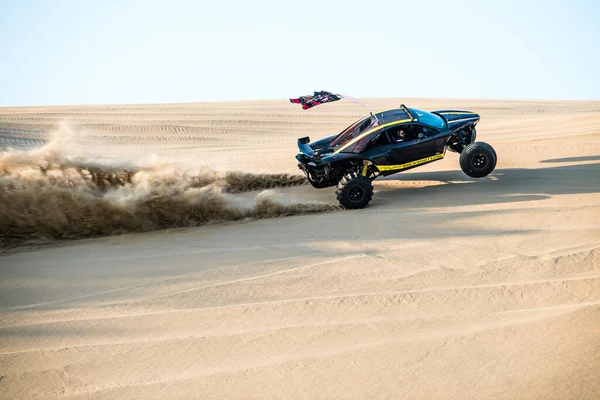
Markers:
{"x": 359, "y": 103}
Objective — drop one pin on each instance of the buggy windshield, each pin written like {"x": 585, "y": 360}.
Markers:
{"x": 354, "y": 130}
{"x": 428, "y": 118}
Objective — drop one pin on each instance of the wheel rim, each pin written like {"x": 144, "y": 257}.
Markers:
{"x": 479, "y": 161}
{"x": 356, "y": 193}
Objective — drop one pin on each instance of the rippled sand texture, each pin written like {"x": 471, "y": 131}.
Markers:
{"x": 445, "y": 287}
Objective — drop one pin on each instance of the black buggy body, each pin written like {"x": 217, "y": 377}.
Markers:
{"x": 388, "y": 142}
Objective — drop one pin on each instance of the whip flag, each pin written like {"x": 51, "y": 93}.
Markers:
{"x": 310, "y": 101}
{"x": 317, "y": 98}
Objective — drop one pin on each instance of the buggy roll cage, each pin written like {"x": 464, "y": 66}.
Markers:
{"x": 407, "y": 111}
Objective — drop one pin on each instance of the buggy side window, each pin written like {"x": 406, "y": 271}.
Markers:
{"x": 381, "y": 140}
{"x": 397, "y": 134}
{"x": 409, "y": 132}
{"x": 427, "y": 131}
{"x": 354, "y": 131}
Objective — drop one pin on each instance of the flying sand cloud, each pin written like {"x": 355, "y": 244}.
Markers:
{"x": 55, "y": 192}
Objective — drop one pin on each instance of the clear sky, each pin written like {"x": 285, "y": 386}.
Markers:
{"x": 56, "y": 52}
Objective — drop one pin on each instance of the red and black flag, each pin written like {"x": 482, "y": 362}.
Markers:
{"x": 317, "y": 98}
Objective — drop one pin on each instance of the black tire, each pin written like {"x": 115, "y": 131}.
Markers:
{"x": 354, "y": 191}
{"x": 478, "y": 160}
{"x": 473, "y": 135}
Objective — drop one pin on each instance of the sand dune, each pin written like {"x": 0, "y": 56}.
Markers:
{"x": 445, "y": 287}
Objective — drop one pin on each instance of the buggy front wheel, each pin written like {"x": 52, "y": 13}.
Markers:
{"x": 478, "y": 159}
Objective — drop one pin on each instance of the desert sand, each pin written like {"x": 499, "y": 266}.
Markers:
{"x": 445, "y": 287}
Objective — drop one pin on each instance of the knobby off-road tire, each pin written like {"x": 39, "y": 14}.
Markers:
{"x": 478, "y": 160}
{"x": 354, "y": 191}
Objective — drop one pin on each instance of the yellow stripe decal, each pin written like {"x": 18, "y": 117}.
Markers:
{"x": 362, "y": 135}
{"x": 409, "y": 164}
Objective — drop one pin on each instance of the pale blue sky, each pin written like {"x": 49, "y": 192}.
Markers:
{"x": 98, "y": 52}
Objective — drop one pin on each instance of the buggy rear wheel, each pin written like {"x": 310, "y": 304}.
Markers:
{"x": 478, "y": 160}
{"x": 354, "y": 191}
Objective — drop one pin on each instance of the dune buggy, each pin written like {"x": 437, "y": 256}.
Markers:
{"x": 386, "y": 143}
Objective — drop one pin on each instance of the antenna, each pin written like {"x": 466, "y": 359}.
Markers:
{"x": 361, "y": 104}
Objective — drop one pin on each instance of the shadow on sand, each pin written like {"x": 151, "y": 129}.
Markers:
{"x": 572, "y": 159}
{"x": 504, "y": 185}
